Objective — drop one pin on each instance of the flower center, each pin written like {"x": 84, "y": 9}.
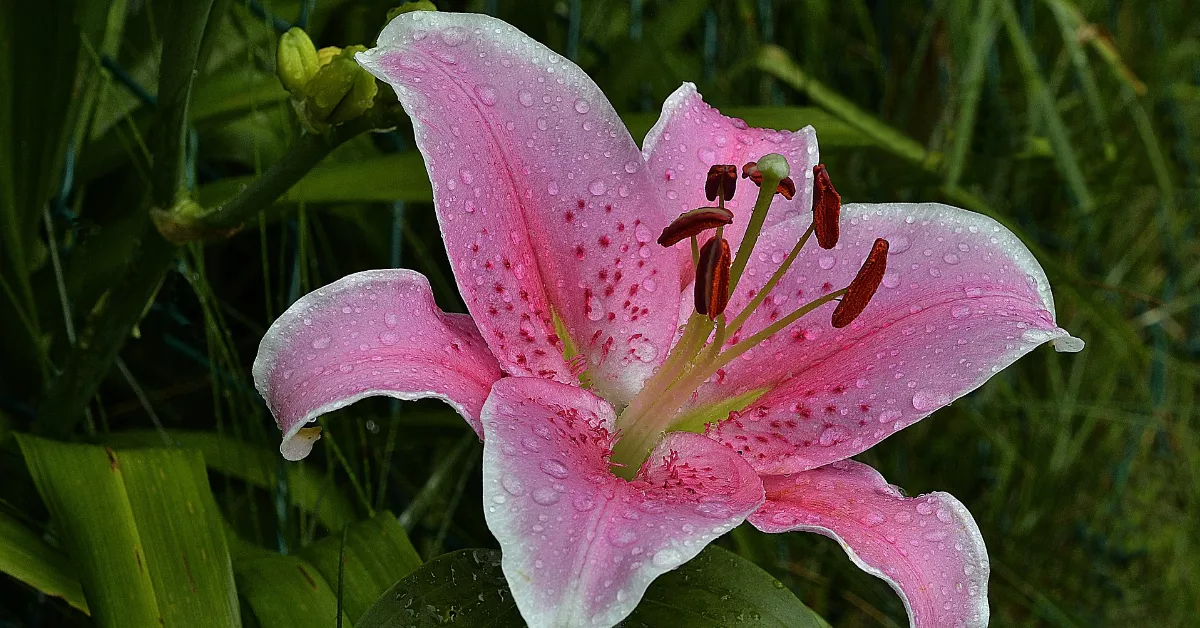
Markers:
{"x": 705, "y": 345}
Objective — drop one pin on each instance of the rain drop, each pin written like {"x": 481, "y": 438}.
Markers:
{"x": 826, "y": 262}
{"x": 545, "y": 496}
{"x": 597, "y": 187}
{"x": 554, "y": 468}
{"x": 525, "y": 97}
{"x": 486, "y": 94}
{"x": 322, "y": 342}
{"x": 581, "y": 106}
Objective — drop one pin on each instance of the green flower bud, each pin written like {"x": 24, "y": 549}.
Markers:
{"x": 341, "y": 90}
{"x": 295, "y": 60}
{"x": 422, "y": 5}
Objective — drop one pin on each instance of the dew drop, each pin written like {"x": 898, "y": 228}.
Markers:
{"x": 552, "y": 188}
{"x": 388, "y": 338}
{"x": 513, "y": 485}
{"x": 643, "y": 349}
{"x": 891, "y": 279}
{"x": 322, "y": 342}
{"x": 950, "y": 258}
{"x": 554, "y": 468}
{"x": 926, "y": 402}
{"x": 583, "y": 503}
{"x": 902, "y": 517}
{"x": 706, "y": 155}
{"x": 833, "y": 435}
{"x": 525, "y": 97}
{"x": 391, "y": 320}
{"x": 454, "y": 36}
{"x": 465, "y": 176}
{"x": 668, "y": 558}
{"x": 541, "y": 124}
{"x": 898, "y": 244}
{"x": 960, "y": 311}
{"x": 622, "y": 536}
{"x": 632, "y": 166}
{"x": 486, "y": 94}
{"x": 545, "y": 496}
{"x": 826, "y": 262}
{"x": 581, "y": 106}
{"x": 597, "y": 187}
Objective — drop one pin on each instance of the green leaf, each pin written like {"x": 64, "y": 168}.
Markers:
{"x": 28, "y": 558}
{"x": 718, "y": 588}
{"x": 287, "y": 591}
{"x": 377, "y": 555}
{"x": 307, "y": 488}
{"x": 142, "y": 529}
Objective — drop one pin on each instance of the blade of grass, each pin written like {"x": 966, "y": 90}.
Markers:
{"x": 28, "y": 558}
{"x": 982, "y": 37}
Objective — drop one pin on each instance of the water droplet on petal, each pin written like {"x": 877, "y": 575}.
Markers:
{"x": 486, "y": 94}
{"x": 555, "y": 469}
{"x": 597, "y": 187}
{"x": 454, "y": 36}
{"x": 322, "y": 342}
{"x": 388, "y": 339}
{"x": 513, "y": 485}
{"x": 545, "y": 496}
{"x": 826, "y": 262}
{"x": 525, "y": 97}
{"x": 898, "y": 244}
{"x": 581, "y": 106}
{"x": 960, "y": 311}
{"x": 668, "y": 558}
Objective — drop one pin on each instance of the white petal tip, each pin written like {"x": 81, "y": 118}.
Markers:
{"x": 1068, "y": 344}
{"x": 297, "y": 446}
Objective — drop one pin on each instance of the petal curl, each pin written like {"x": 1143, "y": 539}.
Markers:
{"x": 962, "y": 299}
{"x": 580, "y": 544}
{"x": 927, "y": 548}
{"x": 542, "y": 196}
{"x": 690, "y": 136}
{"x": 372, "y": 333}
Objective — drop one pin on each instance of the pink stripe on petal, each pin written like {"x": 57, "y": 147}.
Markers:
{"x": 690, "y": 136}
{"x": 962, "y": 298}
{"x": 580, "y": 544}
{"x": 373, "y": 333}
{"x": 927, "y": 548}
{"x": 542, "y": 196}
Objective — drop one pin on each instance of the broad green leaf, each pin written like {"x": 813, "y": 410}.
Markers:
{"x": 178, "y": 523}
{"x": 716, "y": 589}
{"x": 28, "y": 558}
{"x": 287, "y": 592}
{"x": 307, "y": 488}
{"x": 377, "y": 555}
{"x": 466, "y": 587}
{"x": 143, "y": 531}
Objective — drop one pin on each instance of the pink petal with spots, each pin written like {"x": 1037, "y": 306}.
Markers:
{"x": 372, "y": 333}
{"x": 691, "y": 136}
{"x": 928, "y": 548}
{"x": 580, "y": 544}
{"x": 543, "y": 199}
{"x": 962, "y": 299}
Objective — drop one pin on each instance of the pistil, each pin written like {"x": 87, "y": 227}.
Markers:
{"x": 700, "y": 351}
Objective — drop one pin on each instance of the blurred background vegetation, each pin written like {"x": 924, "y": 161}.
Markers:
{"x": 1074, "y": 122}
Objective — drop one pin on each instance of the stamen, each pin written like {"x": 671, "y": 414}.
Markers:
{"x": 722, "y": 180}
{"x": 694, "y": 222}
{"x": 712, "y": 278}
{"x": 786, "y": 188}
{"x": 827, "y": 208}
{"x": 864, "y": 285}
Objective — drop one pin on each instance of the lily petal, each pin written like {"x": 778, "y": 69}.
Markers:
{"x": 580, "y": 544}
{"x": 690, "y": 136}
{"x": 962, "y": 299}
{"x": 542, "y": 196}
{"x": 372, "y": 333}
{"x": 927, "y": 548}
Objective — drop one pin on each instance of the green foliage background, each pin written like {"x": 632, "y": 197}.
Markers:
{"x": 1076, "y": 123}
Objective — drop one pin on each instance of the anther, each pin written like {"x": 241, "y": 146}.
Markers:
{"x": 694, "y": 222}
{"x": 827, "y": 208}
{"x": 863, "y": 286}
{"x": 712, "y": 278}
{"x": 787, "y": 188}
{"x": 722, "y": 180}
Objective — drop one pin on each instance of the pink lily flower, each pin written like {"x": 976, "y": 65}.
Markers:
{"x": 623, "y": 432}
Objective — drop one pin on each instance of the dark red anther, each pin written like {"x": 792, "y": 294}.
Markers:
{"x": 827, "y": 208}
{"x": 787, "y": 188}
{"x": 722, "y": 179}
{"x": 694, "y": 222}
{"x": 864, "y": 285}
{"x": 712, "y": 278}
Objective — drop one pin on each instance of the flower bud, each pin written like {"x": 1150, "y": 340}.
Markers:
{"x": 295, "y": 60}
{"x": 341, "y": 91}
